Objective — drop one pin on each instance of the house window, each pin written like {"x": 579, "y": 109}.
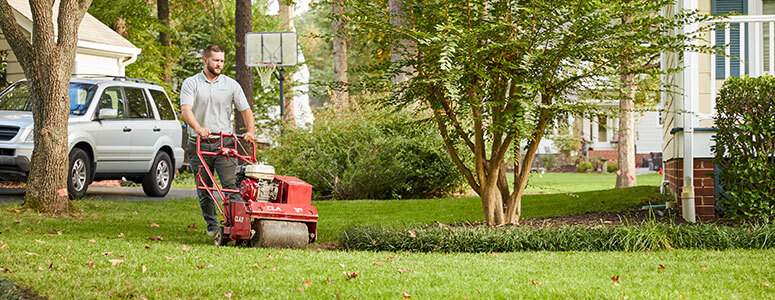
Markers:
{"x": 720, "y": 7}
{"x": 602, "y": 131}
{"x": 768, "y": 8}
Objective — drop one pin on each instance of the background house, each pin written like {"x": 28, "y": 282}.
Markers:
{"x": 100, "y": 50}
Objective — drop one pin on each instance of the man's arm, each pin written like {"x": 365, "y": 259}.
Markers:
{"x": 247, "y": 116}
{"x": 188, "y": 117}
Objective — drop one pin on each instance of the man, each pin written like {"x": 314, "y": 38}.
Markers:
{"x": 206, "y": 104}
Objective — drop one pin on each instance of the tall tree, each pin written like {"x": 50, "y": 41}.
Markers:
{"x": 286, "y": 20}
{"x": 163, "y": 12}
{"x": 498, "y": 75}
{"x": 47, "y": 61}
{"x": 243, "y": 24}
{"x": 401, "y": 46}
{"x": 340, "y": 95}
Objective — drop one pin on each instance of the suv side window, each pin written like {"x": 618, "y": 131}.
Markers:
{"x": 112, "y": 98}
{"x": 138, "y": 105}
{"x": 162, "y": 105}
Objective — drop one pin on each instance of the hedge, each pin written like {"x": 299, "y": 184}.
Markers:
{"x": 650, "y": 236}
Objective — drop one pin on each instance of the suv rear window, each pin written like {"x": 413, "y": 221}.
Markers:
{"x": 162, "y": 105}
{"x": 138, "y": 105}
{"x": 17, "y": 97}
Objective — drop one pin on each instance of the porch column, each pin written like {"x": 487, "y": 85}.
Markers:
{"x": 691, "y": 101}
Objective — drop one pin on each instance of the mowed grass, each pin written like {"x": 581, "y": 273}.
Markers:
{"x": 114, "y": 237}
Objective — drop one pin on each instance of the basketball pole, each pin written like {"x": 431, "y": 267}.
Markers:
{"x": 281, "y": 79}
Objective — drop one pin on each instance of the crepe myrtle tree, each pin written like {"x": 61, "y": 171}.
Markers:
{"x": 47, "y": 59}
{"x": 496, "y": 76}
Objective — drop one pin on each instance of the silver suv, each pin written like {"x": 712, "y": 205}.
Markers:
{"x": 119, "y": 127}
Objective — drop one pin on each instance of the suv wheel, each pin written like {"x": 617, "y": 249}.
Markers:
{"x": 157, "y": 182}
{"x": 78, "y": 173}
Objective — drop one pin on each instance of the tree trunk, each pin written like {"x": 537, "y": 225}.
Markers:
{"x": 243, "y": 16}
{"x": 163, "y": 13}
{"x": 401, "y": 46}
{"x": 286, "y": 19}
{"x": 626, "y": 150}
{"x": 47, "y": 63}
{"x": 340, "y": 95}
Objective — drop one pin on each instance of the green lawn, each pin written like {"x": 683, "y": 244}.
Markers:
{"x": 52, "y": 257}
{"x": 579, "y": 182}
{"x": 184, "y": 265}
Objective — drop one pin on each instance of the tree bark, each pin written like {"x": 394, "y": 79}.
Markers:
{"x": 163, "y": 13}
{"x": 341, "y": 97}
{"x": 47, "y": 63}
{"x": 626, "y": 150}
{"x": 286, "y": 18}
{"x": 401, "y": 46}
{"x": 243, "y": 19}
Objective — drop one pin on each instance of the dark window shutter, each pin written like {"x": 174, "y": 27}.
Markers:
{"x": 720, "y": 7}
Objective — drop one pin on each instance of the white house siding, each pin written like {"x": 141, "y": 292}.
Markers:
{"x": 95, "y": 64}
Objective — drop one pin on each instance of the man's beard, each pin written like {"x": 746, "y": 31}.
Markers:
{"x": 213, "y": 71}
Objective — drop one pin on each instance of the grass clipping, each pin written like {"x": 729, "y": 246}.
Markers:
{"x": 644, "y": 237}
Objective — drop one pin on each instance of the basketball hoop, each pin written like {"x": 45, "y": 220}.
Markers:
{"x": 265, "y": 73}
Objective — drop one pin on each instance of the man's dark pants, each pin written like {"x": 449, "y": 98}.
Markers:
{"x": 223, "y": 166}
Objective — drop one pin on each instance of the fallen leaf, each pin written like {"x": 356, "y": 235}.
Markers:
{"x": 192, "y": 226}
{"x": 116, "y": 261}
{"x": 352, "y": 275}
{"x": 661, "y": 267}
{"x": 5, "y": 245}
{"x": 30, "y": 253}
{"x": 51, "y": 266}
{"x": 147, "y": 247}
{"x": 377, "y": 263}
{"x": 41, "y": 268}
{"x": 170, "y": 258}
{"x": 402, "y": 270}
{"x": 35, "y": 221}
{"x": 154, "y": 224}
{"x": 412, "y": 234}
{"x": 204, "y": 266}
{"x": 406, "y": 295}
{"x": 144, "y": 269}
{"x": 337, "y": 295}
{"x": 341, "y": 265}
{"x": 54, "y": 231}
{"x": 683, "y": 297}
{"x": 157, "y": 238}
{"x": 90, "y": 264}
{"x": 391, "y": 256}
{"x": 229, "y": 295}
{"x": 6, "y": 271}
{"x": 107, "y": 253}
{"x": 327, "y": 279}
{"x": 494, "y": 254}
{"x": 307, "y": 283}
{"x": 92, "y": 241}
{"x": 275, "y": 268}
{"x": 299, "y": 289}
{"x": 765, "y": 284}
{"x": 186, "y": 248}
{"x": 533, "y": 282}
{"x": 135, "y": 213}
{"x": 121, "y": 235}
{"x": 615, "y": 278}
{"x": 40, "y": 242}
{"x": 704, "y": 267}
{"x": 269, "y": 256}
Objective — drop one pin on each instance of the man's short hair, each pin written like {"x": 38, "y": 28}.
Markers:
{"x": 211, "y": 49}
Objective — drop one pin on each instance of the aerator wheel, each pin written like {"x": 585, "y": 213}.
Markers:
{"x": 218, "y": 238}
{"x": 280, "y": 234}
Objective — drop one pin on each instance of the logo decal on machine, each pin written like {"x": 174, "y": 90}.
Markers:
{"x": 273, "y": 208}
{"x": 239, "y": 219}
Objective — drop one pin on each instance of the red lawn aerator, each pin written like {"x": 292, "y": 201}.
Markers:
{"x": 268, "y": 210}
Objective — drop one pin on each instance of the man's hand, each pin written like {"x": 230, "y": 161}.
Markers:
{"x": 203, "y": 132}
{"x": 250, "y": 136}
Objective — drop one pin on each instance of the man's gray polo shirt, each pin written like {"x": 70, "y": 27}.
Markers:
{"x": 211, "y": 102}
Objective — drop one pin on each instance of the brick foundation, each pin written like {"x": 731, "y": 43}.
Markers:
{"x": 704, "y": 201}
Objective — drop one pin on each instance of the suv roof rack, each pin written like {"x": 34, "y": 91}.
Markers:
{"x": 115, "y": 77}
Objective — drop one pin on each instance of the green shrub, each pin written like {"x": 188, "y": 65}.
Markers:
{"x": 647, "y": 236}
{"x": 744, "y": 147}
{"x": 584, "y": 166}
{"x": 612, "y": 167}
{"x": 548, "y": 161}
{"x": 368, "y": 153}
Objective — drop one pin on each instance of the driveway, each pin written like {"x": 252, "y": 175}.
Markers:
{"x": 107, "y": 193}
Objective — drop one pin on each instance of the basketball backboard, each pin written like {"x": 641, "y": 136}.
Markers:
{"x": 262, "y": 48}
